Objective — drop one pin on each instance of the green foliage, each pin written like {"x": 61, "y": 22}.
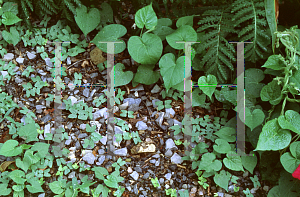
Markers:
{"x": 155, "y": 182}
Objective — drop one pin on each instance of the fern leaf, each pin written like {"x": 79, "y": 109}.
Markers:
{"x": 250, "y": 16}
{"x": 29, "y": 4}
{"x": 217, "y": 59}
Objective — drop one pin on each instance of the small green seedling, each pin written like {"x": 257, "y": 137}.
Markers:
{"x": 155, "y": 182}
{"x": 125, "y": 113}
{"x": 171, "y": 192}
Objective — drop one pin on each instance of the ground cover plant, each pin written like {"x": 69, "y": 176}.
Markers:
{"x": 37, "y": 160}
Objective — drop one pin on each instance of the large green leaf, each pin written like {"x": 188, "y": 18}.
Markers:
{"x": 208, "y": 85}
{"x": 87, "y": 21}
{"x": 210, "y": 163}
{"x": 35, "y": 186}
{"x": 16, "y": 176}
{"x": 9, "y": 148}
{"x": 198, "y": 99}
{"x": 146, "y": 75}
{"x": 111, "y": 33}
{"x": 122, "y": 78}
{"x": 106, "y": 14}
{"x": 146, "y": 17}
{"x": 162, "y": 28}
{"x": 184, "y": 33}
{"x": 111, "y": 181}
{"x": 222, "y": 179}
{"x": 99, "y": 172}
{"x": 252, "y": 119}
{"x": 186, "y": 20}
{"x": 271, "y": 93}
{"x": 29, "y": 131}
{"x": 290, "y": 121}
{"x": 227, "y": 133}
{"x": 249, "y": 162}
{"x": 222, "y": 146}
{"x": 233, "y": 162}
{"x": 12, "y": 37}
{"x": 273, "y": 137}
{"x": 56, "y": 187}
{"x": 9, "y": 18}
{"x": 172, "y": 71}
{"x": 291, "y": 161}
{"x": 275, "y": 62}
{"x": 145, "y": 50}
{"x": 252, "y": 78}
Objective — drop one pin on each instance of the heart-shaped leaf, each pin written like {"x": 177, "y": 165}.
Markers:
{"x": 290, "y": 161}
{"x": 186, "y": 20}
{"x": 87, "y": 21}
{"x": 271, "y": 93}
{"x": 12, "y": 37}
{"x": 222, "y": 179}
{"x": 198, "y": 99}
{"x": 184, "y": 33}
{"x": 249, "y": 162}
{"x": 111, "y": 33}
{"x": 162, "y": 28}
{"x": 146, "y": 17}
{"x": 273, "y": 137}
{"x": 275, "y": 62}
{"x": 252, "y": 119}
{"x": 145, "y": 50}
{"x": 208, "y": 85}
{"x": 291, "y": 121}
{"x": 9, "y": 148}
{"x": 146, "y": 75}
{"x": 222, "y": 146}
{"x": 122, "y": 78}
{"x": 99, "y": 172}
{"x": 9, "y": 18}
{"x": 210, "y": 163}
{"x": 252, "y": 78}
{"x": 233, "y": 162}
{"x": 172, "y": 71}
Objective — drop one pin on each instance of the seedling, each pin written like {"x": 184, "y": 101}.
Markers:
{"x": 171, "y": 192}
{"x": 155, "y": 182}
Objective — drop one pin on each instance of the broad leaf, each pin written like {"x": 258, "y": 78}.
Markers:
{"x": 186, "y": 20}
{"x": 87, "y": 21}
{"x": 271, "y": 93}
{"x": 146, "y": 17}
{"x": 122, "y": 78}
{"x": 172, "y": 71}
{"x": 249, "y": 162}
{"x": 273, "y": 137}
{"x": 9, "y": 148}
{"x": 99, "y": 172}
{"x": 145, "y": 50}
{"x": 146, "y": 75}
{"x": 208, "y": 85}
{"x": 162, "y": 28}
{"x": 222, "y": 179}
{"x": 56, "y": 187}
{"x": 233, "y": 162}
{"x": 227, "y": 133}
{"x": 29, "y": 131}
{"x": 111, "y": 33}
{"x": 275, "y": 62}
{"x": 252, "y": 119}
{"x": 9, "y": 18}
{"x": 291, "y": 161}
{"x": 16, "y": 176}
{"x": 210, "y": 163}
{"x": 222, "y": 146}
{"x": 183, "y": 34}
{"x": 252, "y": 78}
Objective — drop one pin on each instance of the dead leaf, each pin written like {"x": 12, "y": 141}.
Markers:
{"x": 5, "y": 164}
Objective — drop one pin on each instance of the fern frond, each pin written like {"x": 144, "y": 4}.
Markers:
{"x": 217, "y": 59}
{"x": 50, "y": 5}
{"x": 29, "y": 4}
{"x": 250, "y": 16}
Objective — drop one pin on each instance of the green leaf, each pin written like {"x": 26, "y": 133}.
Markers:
{"x": 99, "y": 172}
{"x": 111, "y": 181}
{"x": 41, "y": 148}
{"x": 270, "y": 15}
{"x": 12, "y": 37}
{"x": 123, "y": 77}
{"x": 184, "y": 34}
{"x": 186, "y": 20}
{"x": 273, "y": 137}
{"x": 291, "y": 121}
{"x": 290, "y": 161}
{"x": 208, "y": 85}
{"x": 172, "y": 71}
{"x": 249, "y": 162}
{"x": 198, "y": 99}
{"x": 10, "y": 7}
{"x": 252, "y": 119}
{"x": 146, "y": 75}
{"x": 271, "y": 93}
{"x": 145, "y": 50}
{"x": 146, "y": 17}
{"x": 9, "y": 148}
{"x": 210, "y": 163}
{"x": 56, "y": 187}
{"x": 252, "y": 78}
{"x": 4, "y": 190}
{"x": 111, "y": 33}
{"x": 87, "y": 21}
{"x": 222, "y": 146}
{"x": 106, "y": 13}
{"x": 29, "y": 131}
{"x": 227, "y": 133}
{"x": 222, "y": 179}
{"x": 16, "y": 176}
{"x": 233, "y": 162}
{"x": 9, "y": 18}
{"x": 162, "y": 28}
{"x": 35, "y": 186}
{"x": 275, "y": 62}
